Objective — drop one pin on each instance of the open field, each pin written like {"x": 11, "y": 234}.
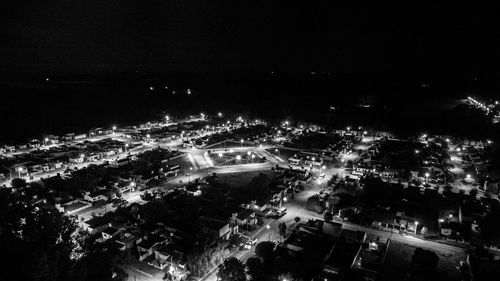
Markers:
{"x": 241, "y": 179}
{"x": 399, "y": 262}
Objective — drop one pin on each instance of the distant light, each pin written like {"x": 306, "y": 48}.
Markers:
{"x": 279, "y": 131}
{"x": 148, "y": 136}
{"x": 219, "y": 114}
{"x": 416, "y": 222}
{"x": 46, "y": 139}
{"x": 188, "y": 91}
{"x": 424, "y": 136}
{"x": 151, "y": 88}
{"x": 441, "y": 220}
{"x": 248, "y": 152}
{"x": 238, "y": 157}
{"x": 285, "y": 199}
{"x": 167, "y": 118}
{"x": 323, "y": 167}
{"x": 82, "y": 155}
{"x": 220, "y": 154}
{"x": 450, "y": 216}
{"x": 253, "y": 156}
{"x": 114, "y": 128}
{"x": 489, "y": 141}
{"x": 427, "y": 175}
{"x": 241, "y": 140}
{"x": 348, "y": 128}
{"x": 47, "y": 79}
{"x": 447, "y": 140}
{"x": 417, "y": 151}
{"x": 468, "y": 176}
{"x": 365, "y": 132}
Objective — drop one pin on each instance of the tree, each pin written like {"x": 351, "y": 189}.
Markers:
{"x": 297, "y": 219}
{"x": 265, "y": 251}
{"x": 18, "y": 183}
{"x": 314, "y": 204}
{"x": 289, "y": 277}
{"x": 328, "y": 216}
{"x": 282, "y": 229}
{"x": 231, "y": 269}
{"x": 424, "y": 258}
{"x": 473, "y": 192}
{"x": 254, "y": 268}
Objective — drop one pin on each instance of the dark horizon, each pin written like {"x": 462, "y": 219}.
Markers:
{"x": 438, "y": 40}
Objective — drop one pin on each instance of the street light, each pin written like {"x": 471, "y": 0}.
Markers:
{"x": 416, "y": 226}
{"x": 268, "y": 227}
{"x": 238, "y": 157}
{"x": 241, "y": 143}
{"x": 19, "y": 170}
{"x": 220, "y": 154}
{"x": 219, "y": 114}
{"x": 114, "y": 129}
{"x": 253, "y": 156}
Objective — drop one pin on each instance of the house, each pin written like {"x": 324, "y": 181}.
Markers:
{"x": 127, "y": 240}
{"x": 95, "y": 196}
{"x": 245, "y": 217}
{"x": 146, "y": 248}
{"x": 110, "y": 232}
{"x": 96, "y": 224}
{"x": 72, "y": 206}
{"x": 219, "y": 228}
{"x": 167, "y": 255}
{"x": 126, "y": 186}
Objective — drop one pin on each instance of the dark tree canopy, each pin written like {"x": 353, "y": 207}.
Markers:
{"x": 231, "y": 269}
{"x": 264, "y": 251}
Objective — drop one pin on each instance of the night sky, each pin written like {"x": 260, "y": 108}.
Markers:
{"x": 212, "y": 36}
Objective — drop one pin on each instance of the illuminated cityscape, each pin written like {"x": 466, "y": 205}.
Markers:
{"x": 228, "y": 141}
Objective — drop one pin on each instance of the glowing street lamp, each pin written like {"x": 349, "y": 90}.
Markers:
{"x": 416, "y": 226}
{"x": 241, "y": 143}
{"x": 238, "y": 157}
{"x": 253, "y": 156}
{"x": 114, "y": 129}
{"x": 19, "y": 170}
{"x": 219, "y": 114}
